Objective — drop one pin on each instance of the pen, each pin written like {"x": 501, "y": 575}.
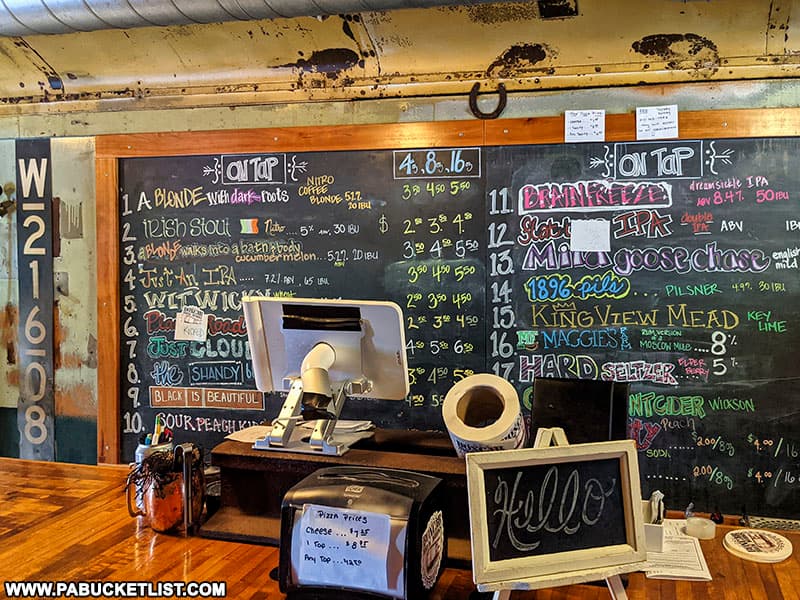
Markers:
{"x": 657, "y": 507}
{"x": 716, "y": 516}
{"x": 157, "y": 432}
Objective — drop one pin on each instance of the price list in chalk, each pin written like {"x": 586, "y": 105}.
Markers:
{"x": 777, "y": 463}
{"x": 343, "y": 547}
{"x": 438, "y": 278}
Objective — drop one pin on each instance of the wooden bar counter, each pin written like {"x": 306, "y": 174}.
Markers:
{"x": 63, "y": 522}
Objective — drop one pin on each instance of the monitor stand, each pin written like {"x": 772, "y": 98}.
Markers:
{"x": 287, "y": 437}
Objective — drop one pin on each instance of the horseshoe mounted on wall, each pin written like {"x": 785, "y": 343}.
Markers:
{"x": 473, "y": 102}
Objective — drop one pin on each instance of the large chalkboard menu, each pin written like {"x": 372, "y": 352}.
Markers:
{"x": 668, "y": 265}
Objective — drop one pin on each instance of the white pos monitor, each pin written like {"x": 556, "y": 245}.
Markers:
{"x": 320, "y": 352}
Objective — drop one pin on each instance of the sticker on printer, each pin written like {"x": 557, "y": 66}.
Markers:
{"x": 432, "y": 549}
{"x": 354, "y": 490}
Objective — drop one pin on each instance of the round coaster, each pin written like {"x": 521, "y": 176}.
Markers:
{"x": 758, "y": 545}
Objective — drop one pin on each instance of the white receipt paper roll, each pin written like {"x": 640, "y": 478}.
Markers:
{"x": 482, "y": 412}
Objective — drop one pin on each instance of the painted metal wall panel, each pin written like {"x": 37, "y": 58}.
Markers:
{"x": 76, "y": 298}
{"x": 36, "y": 408}
{"x": 9, "y": 297}
{"x": 417, "y": 52}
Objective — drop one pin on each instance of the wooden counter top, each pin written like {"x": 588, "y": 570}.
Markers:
{"x": 63, "y": 522}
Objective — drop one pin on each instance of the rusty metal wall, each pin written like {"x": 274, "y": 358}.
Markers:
{"x": 9, "y": 295}
{"x": 771, "y": 93}
{"x": 529, "y": 46}
{"x": 75, "y": 335}
{"x": 9, "y": 378}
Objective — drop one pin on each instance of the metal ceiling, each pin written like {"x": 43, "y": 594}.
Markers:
{"x": 31, "y": 17}
{"x": 427, "y": 52}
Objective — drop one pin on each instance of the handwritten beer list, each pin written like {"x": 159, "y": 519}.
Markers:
{"x": 206, "y": 231}
{"x": 438, "y": 277}
{"x": 343, "y": 547}
{"x": 693, "y": 305}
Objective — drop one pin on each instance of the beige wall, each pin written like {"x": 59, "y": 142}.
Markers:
{"x": 771, "y": 93}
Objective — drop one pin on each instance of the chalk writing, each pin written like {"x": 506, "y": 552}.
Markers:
{"x": 649, "y": 404}
{"x": 639, "y": 370}
{"x": 195, "y": 423}
{"x": 533, "y": 229}
{"x": 578, "y": 506}
{"x": 553, "y": 507}
{"x": 692, "y": 304}
{"x": 603, "y": 338}
{"x": 593, "y": 195}
{"x": 561, "y": 287}
{"x": 708, "y": 258}
{"x": 460, "y": 162}
{"x": 642, "y": 223}
{"x": 675, "y": 315}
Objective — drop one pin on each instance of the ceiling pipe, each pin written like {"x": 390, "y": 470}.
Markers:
{"x": 33, "y": 17}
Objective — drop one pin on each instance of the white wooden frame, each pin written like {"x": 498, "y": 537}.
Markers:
{"x": 562, "y": 568}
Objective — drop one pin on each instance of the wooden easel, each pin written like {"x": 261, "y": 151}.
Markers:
{"x": 545, "y": 438}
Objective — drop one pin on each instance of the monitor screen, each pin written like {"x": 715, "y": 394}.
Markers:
{"x": 367, "y": 338}
{"x": 588, "y": 410}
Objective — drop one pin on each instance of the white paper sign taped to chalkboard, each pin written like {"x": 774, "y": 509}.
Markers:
{"x": 189, "y": 327}
{"x": 590, "y": 235}
{"x": 343, "y": 547}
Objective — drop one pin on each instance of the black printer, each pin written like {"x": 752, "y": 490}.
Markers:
{"x": 374, "y": 533}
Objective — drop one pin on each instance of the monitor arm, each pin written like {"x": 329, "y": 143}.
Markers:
{"x": 317, "y": 391}
{"x": 321, "y": 351}
{"x": 311, "y": 398}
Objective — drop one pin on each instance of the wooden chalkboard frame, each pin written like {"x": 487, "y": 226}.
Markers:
{"x": 562, "y": 567}
{"x": 109, "y": 149}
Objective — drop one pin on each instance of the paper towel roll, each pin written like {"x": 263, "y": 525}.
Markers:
{"x": 482, "y": 412}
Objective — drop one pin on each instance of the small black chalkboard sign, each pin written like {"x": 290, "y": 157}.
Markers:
{"x": 548, "y": 512}
{"x": 548, "y": 508}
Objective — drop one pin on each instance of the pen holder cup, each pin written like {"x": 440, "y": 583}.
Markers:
{"x": 165, "y": 493}
{"x": 142, "y": 452}
{"x": 653, "y": 533}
